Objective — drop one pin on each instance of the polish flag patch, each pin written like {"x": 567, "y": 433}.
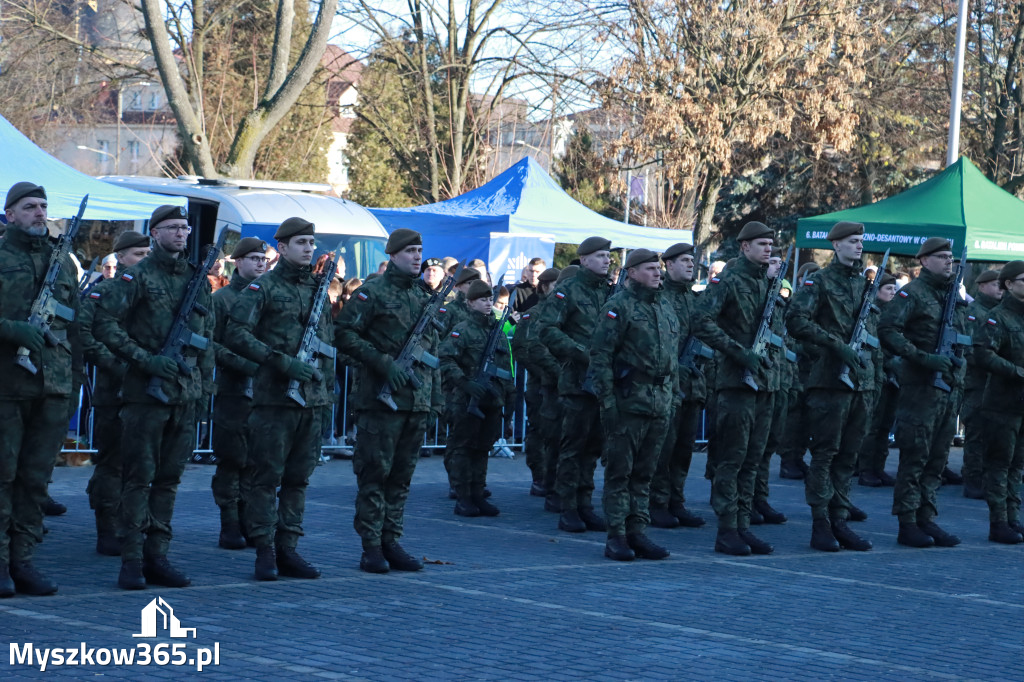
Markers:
{"x": 992, "y": 322}
{"x": 808, "y": 283}
{"x": 612, "y": 314}
{"x": 455, "y": 335}
{"x": 972, "y": 318}
{"x": 94, "y": 294}
{"x": 442, "y": 310}
{"x": 714, "y": 280}
{"x": 904, "y": 294}
{"x": 254, "y": 286}
{"x": 126, "y": 277}
{"x": 362, "y": 296}
{"x": 559, "y": 295}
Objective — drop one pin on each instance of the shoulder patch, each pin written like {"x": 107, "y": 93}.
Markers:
{"x": 972, "y": 318}
{"x": 808, "y": 282}
{"x": 526, "y": 316}
{"x": 992, "y": 322}
{"x": 456, "y": 335}
{"x": 714, "y": 280}
{"x": 559, "y": 294}
{"x": 254, "y": 286}
{"x": 94, "y": 294}
{"x": 612, "y": 314}
{"x": 127, "y": 277}
{"x": 442, "y": 310}
{"x": 362, "y": 296}
{"x": 904, "y": 294}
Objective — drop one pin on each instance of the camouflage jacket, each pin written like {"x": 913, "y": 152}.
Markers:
{"x": 823, "y": 314}
{"x": 539, "y": 359}
{"x": 978, "y": 312}
{"x": 461, "y": 353}
{"x": 374, "y": 326}
{"x": 634, "y": 355}
{"x": 234, "y": 372}
{"x": 567, "y": 324}
{"x": 452, "y": 312}
{"x": 910, "y": 325}
{"x": 110, "y": 367}
{"x": 24, "y": 260}
{"x": 134, "y": 316}
{"x": 268, "y": 321}
{"x": 999, "y": 350}
{"x": 680, "y": 296}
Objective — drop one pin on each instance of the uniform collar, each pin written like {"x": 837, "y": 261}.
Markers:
{"x": 397, "y": 277}
{"x": 682, "y": 286}
{"x": 933, "y": 280}
{"x": 642, "y": 293}
{"x": 853, "y": 270}
{"x": 292, "y": 272}
{"x": 1012, "y": 304}
{"x": 176, "y": 263}
{"x": 27, "y": 242}
{"x": 238, "y": 282}
{"x": 988, "y": 302}
{"x": 591, "y": 279}
{"x": 749, "y": 267}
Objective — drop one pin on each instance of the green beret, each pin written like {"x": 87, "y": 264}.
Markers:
{"x": 294, "y": 227}
{"x": 167, "y": 212}
{"x": 248, "y": 245}
{"x": 676, "y": 250}
{"x": 567, "y": 272}
{"x": 807, "y": 269}
{"x": 130, "y": 239}
{"x": 20, "y": 190}
{"x": 467, "y": 275}
{"x": 887, "y": 279}
{"x": 987, "y": 276}
{"x": 933, "y": 245}
{"x": 1011, "y": 270}
{"x": 593, "y": 244}
{"x": 478, "y": 289}
{"x": 639, "y": 257}
{"x": 844, "y": 229}
{"x": 754, "y": 230}
{"x": 549, "y": 275}
{"x": 402, "y": 238}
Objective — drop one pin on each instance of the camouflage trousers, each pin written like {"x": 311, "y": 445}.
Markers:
{"x": 976, "y": 437}
{"x": 838, "y": 420}
{"x": 633, "y": 447}
{"x": 925, "y": 422}
{"x": 386, "y": 453}
{"x": 231, "y": 447}
{"x": 667, "y": 486}
{"x": 533, "y": 447}
{"x": 1003, "y": 464}
{"x": 780, "y": 414}
{"x": 743, "y": 421}
{"x": 549, "y": 427}
{"x": 795, "y": 437}
{"x": 579, "y": 448}
{"x": 470, "y": 441}
{"x": 284, "y": 447}
{"x": 874, "y": 451}
{"x": 31, "y": 433}
{"x": 104, "y": 487}
{"x": 156, "y": 442}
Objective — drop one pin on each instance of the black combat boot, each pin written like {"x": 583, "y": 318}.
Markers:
{"x": 1000, "y": 531}
{"x": 571, "y": 522}
{"x": 663, "y": 518}
{"x": 159, "y": 571}
{"x": 373, "y": 560}
{"x": 755, "y": 517}
{"x": 857, "y": 514}
{"x": 231, "y": 535}
{"x": 887, "y": 480}
{"x": 911, "y": 535}
{"x": 792, "y": 471}
{"x": 822, "y": 538}
{"x": 869, "y": 479}
{"x": 591, "y": 520}
{"x": 847, "y": 539}
{"x": 645, "y": 548}
{"x": 131, "y": 577}
{"x": 618, "y": 549}
{"x": 452, "y": 495}
{"x": 973, "y": 491}
{"x": 686, "y": 518}
{"x": 399, "y": 559}
{"x": 756, "y": 544}
{"x": 1016, "y": 525}
{"x": 941, "y": 537}
{"x": 537, "y": 489}
{"x": 553, "y": 504}
{"x": 950, "y": 477}
{"x": 107, "y": 542}
{"x": 6, "y": 584}
{"x": 485, "y": 506}
{"x": 266, "y": 564}
{"x": 729, "y": 541}
{"x": 28, "y": 580}
{"x": 290, "y": 564}
{"x": 53, "y": 508}
{"x": 466, "y": 507}
{"x": 770, "y": 514}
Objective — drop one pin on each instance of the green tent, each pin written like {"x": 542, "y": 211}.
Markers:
{"x": 959, "y": 203}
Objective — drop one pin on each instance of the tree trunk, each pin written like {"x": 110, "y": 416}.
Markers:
{"x": 706, "y": 213}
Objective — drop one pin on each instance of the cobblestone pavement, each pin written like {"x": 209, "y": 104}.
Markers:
{"x": 512, "y": 598}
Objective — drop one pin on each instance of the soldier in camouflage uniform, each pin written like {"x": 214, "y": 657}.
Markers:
{"x": 133, "y": 318}
{"x": 267, "y": 326}
{"x": 925, "y": 415}
{"x": 372, "y": 328}
{"x": 634, "y": 366}
{"x": 567, "y": 325}
{"x": 231, "y": 409}
{"x": 795, "y": 438}
{"x": 975, "y": 435}
{"x": 104, "y": 487}
{"x": 999, "y": 349}
{"x": 728, "y": 316}
{"x": 470, "y": 438}
{"x": 875, "y": 446}
{"x": 668, "y": 498}
{"x": 823, "y": 314}
{"x": 33, "y": 406}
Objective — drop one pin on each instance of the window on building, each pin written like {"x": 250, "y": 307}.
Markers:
{"x": 154, "y": 100}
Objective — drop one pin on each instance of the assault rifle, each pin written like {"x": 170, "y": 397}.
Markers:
{"x": 694, "y": 348}
{"x": 45, "y": 308}
{"x": 181, "y": 335}
{"x": 413, "y": 353}
{"x": 311, "y": 349}
{"x": 949, "y": 337}
{"x": 488, "y": 368}
{"x": 83, "y": 283}
{"x": 860, "y": 337}
{"x": 765, "y": 336}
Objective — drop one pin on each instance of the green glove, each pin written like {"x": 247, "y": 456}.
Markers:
{"x": 474, "y": 390}
{"x": 396, "y": 377}
{"x": 161, "y": 366}
{"x": 936, "y": 362}
{"x": 748, "y": 359}
{"x": 850, "y": 357}
{"x": 24, "y": 335}
{"x": 298, "y": 370}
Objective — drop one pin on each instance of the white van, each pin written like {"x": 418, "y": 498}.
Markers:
{"x": 255, "y": 208}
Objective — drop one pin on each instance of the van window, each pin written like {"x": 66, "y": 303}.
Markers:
{"x": 361, "y": 254}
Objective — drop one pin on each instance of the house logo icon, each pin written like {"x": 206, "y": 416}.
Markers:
{"x": 159, "y": 612}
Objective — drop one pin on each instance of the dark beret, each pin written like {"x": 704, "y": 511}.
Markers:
{"x": 20, "y": 190}
{"x": 754, "y": 230}
{"x": 130, "y": 239}
{"x": 933, "y": 245}
{"x": 680, "y": 249}
{"x": 478, "y": 289}
{"x": 477, "y": 263}
{"x": 431, "y": 263}
{"x": 593, "y": 244}
{"x": 844, "y": 229}
{"x": 886, "y": 280}
{"x": 806, "y": 269}
{"x": 987, "y": 276}
{"x": 402, "y": 238}
{"x": 167, "y": 212}
{"x": 467, "y": 275}
{"x": 549, "y": 275}
{"x": 294, "y": 227}
{"x": 1011, "y": 270}
{"x": 248, "y": 245}
{"x": 567, "y": 272}
{"x": 639, "y": 257}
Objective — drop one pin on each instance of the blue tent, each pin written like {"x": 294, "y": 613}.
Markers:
{"x": 65, "y": 187}
{"x": 517, "y": 215}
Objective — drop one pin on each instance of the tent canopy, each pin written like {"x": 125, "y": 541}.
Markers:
{"x": 523, "y": 205}
{"x": 65, "y": 186}
{"x": 959, "y": 203}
